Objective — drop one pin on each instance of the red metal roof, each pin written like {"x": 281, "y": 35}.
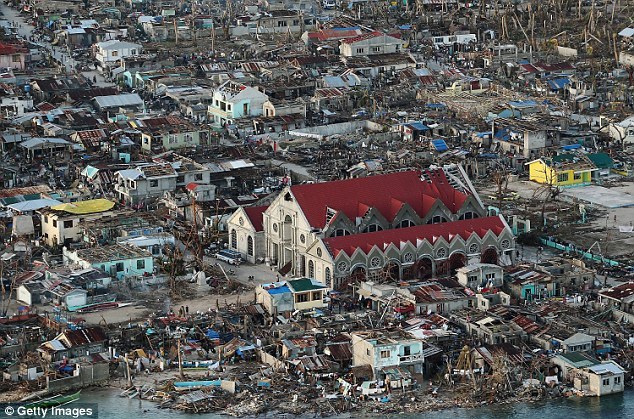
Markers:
{"x": 387, "y": 193}
{"x": 620, "y": 291}
{"x": 7, "y": 49}
{"x": 327, "y": 34}
{"x": 255, "y": 215}
{"x": 429, "y": 232}
{"x": 363, "y": 37}
{"x": 191, "y": 186}
{"x": 526, "y": 324}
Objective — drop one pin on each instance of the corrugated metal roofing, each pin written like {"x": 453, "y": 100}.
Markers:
{"x": 440, "y": 145}
{"x": 115, "y": 101}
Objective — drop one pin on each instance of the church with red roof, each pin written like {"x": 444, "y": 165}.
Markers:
{"x": 408, "y": 224}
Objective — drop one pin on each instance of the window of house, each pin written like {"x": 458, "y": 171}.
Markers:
{"x": 46, "y": 219}
{"x": 153, "y": 183}
{"x": 119, "y": 266}
{"x": 316, "y": 295}
{"x": 301, "y": 298}
{"x": 172, "y": 139}
{"x": 606, "y": 381}
{"x": 140, "y": 264}
{"x": 490, "y": 276}
{"x": 188, "y": 137}
{"x": 376, "y": 49}
{"x": 367, "y": 351}
{"x": 562, "y": 177}
{"x": 360, "y": 50}
{"x": 472, "y": 278}
{"x": 311, "y": 269}
{"x": 617, "y": 380}
{"x": 198, "y": 176}
{"x": 180, "y": 179}
{"x": 54, "y": 223}
{"x": 407, "y": 350}
{"x": 577, "y": 176}
{"x": 115, "y": 53}
{"x": 133, "y": 184}
{"x": 385, "y": 354}
{"x": 229, "y": 107}
{"x": 68, "y": 224}
{"x": 328, "y": 278}
{"x": 281, "y": 23}
{"x": 245, "y": 108}
{"x": 15, "y": 58}
{"x": 133, "y": 51}
{"x": 295, "y": 22}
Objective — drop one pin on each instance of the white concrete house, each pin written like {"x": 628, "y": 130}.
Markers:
{"x": 480, "y": 275}
{"x": 108, "y": 52}
{"x": 373, "y": 43}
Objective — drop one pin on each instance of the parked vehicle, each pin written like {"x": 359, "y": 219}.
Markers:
{"x": 230, "y": 256}
{"x": 329, "y": 4}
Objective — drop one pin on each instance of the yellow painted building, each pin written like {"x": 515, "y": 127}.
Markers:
{"x": 562, "y": 170}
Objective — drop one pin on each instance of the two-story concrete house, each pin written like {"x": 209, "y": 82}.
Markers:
{"x": 107, "y": 53}
{"x": 382, "y": 350}
{"x": 233, "y": 101}
{"x": 13, "y": 56}
{"x": 283, "y": 21}
{"x": 295, "y": 294}
{"x": 480, "y": 275}
{"x": 145, "y": 183}
{"x": 120, "y": 261}
{"x": 169, "y": 133}
{"x": 61, "y": 224}
{"x": 372, "y": 43}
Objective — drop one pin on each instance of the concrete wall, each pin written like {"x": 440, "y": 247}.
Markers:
{"x": 271, "y": 360}
{"x": 619, "y": 316}
{"x": 336, "y": 129}
{"x": 89, "y": 374}
{"x": 567, "y": 52}
{"x": 626, "y": 58}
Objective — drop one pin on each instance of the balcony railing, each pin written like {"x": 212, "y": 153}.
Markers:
{"x": 411, "y": 358}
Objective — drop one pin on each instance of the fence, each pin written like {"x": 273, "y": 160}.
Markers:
{"x": 573, "y": 249}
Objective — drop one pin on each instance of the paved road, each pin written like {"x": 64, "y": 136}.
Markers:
{"x": 61, "y": 54}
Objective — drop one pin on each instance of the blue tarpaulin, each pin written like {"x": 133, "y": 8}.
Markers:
{"x": 418, "y": 126}
{"x": 243, "y": 349}
{"x": 440, "y": 145}
{"x": 558, "y": 84}
{"x": 434, "y": 105}
{"x": 571, "y": 147}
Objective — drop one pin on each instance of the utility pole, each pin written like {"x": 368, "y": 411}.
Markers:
{"x": 180, "y": 360}
{"x": 127, "y": 368}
